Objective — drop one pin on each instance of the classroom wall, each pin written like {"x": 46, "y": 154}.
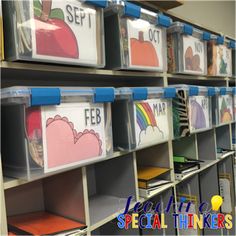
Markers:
{"x": 218, "y": 15}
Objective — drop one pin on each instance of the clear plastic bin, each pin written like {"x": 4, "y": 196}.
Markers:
{"x": 135, "y": 38}
{"x": 233, "y": 45}
{"x": 187, "y": 49}
{"x": 45, "y": 130}
{"x": 234, "y": 101}
{"x": 222, "y": 106}
{"x": 191, "y": 109}
{"x": 68, "y": 32}
{"x": 219, "y": 56}
{"x": 140, "y": 117}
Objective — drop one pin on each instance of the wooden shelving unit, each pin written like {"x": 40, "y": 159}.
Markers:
{"x": 100, "y": 206}
{"x": 30, "y": 74}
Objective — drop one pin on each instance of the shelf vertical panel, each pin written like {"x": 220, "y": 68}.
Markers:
{"x": 3, "y": 219}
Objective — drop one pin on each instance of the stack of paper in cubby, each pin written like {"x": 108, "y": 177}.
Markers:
{"x": 149, "y": 180}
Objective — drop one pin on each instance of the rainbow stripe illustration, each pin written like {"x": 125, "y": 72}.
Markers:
{"x": 145, "y": 116}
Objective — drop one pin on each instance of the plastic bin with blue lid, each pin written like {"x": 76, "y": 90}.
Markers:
{"x": 67, "y": 32}
{"x": 222, "y": 106}
{"x": 140, "y": 117}
{"x": 135, "y": 37}
{"x": 234, "y": 101}
{"x": 46, "y": 130}
{"x": 191, "y": 109}
{"x": 233, "y": 46}
{"x": 219, "y": 56}
{"x": 186, "y": 49}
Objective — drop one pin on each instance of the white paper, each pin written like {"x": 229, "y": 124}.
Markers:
{"x": 72, "y": 133}
{"x": 73, "y": 39}
{"x": 151, "y": 121}
{"x": 199, "y": 113}
{"x": 193, "y": 55}
{"x": 225, "y": 108}
{"x": 226, "y": 207}
{"x": 145, "y": 45}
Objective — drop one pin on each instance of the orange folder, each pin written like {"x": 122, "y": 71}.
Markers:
{"x": 147, "y": 173}
{"x": 42, "y": 223}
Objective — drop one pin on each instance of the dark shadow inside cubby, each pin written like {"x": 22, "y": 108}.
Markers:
{"x": 110, "y": 183}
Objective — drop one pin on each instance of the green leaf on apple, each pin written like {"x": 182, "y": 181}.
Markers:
{"x": 57, "y": 13}
{"x": 37, "y": 8}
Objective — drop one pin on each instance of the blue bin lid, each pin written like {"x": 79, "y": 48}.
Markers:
{"x": 192, "y": 90}
{"x": 144, "y": 93}
{"x": 37, "y": 96}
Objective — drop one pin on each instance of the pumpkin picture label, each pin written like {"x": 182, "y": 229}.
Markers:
{"x": 199, "y": 113}
{"x": 144, "y": 45}
{"x": 225, "y": 108}
{"x": 64, "y": 31}
{"x": 65, "y": 135}
{"x": 193, "y": 55}
{"x": 151, "y": 121}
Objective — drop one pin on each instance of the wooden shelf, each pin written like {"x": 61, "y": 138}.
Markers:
{"x": 161, "y": 4}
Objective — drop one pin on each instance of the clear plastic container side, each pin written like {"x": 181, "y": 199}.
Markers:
{"x": 234, "y": 108}
{"x": 68, "y": 32}
{"x": 225, "y": 109}
{"x": 191, "y": 114}
{"x": 186, "y": 53}
{"x": 137, "y": 124}
{"x": 233, "y": 63}
{"x": 135, "y": 44}
{"x": 46, "y": 139}
{"x": 219, "y": 59}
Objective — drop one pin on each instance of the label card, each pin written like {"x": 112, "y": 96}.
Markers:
{"x": 193, "y": 55}
{"x": 64, "y": 31}
{"x": 225, "y": 108}
{"x": 199, "y": 113}
{"x": 72, "y": 133}
{"x": 144, "y": 45}
{"x": 151, "y": 121}
{"x": 223, "y": 60}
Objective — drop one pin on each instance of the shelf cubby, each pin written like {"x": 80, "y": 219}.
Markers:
{"x": 186, "y": 146}
{"x": 110, "y": 183}
{"x": 223, "y": 137}
{"x": 111, "y": 228}
{"x": 206, "y": 145}
{"x": 226, "y": 170}
{"x": 163, "y": 199}
{"x": 61, "y": 194}
{"x": 157, "y": 156}
{"x": 208, "y": 190}
{"x": 189, "y": 187}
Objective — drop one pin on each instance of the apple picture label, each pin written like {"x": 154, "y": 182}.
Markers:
{"x": 66, "y": 31}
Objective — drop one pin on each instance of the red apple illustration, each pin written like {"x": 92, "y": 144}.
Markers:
{"x": 53, "y": 36}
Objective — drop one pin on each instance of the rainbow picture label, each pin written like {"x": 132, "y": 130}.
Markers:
{"x": 151, "y": 121}
{"x": 199, "y": 113}
{"x": 225, "y": 108}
